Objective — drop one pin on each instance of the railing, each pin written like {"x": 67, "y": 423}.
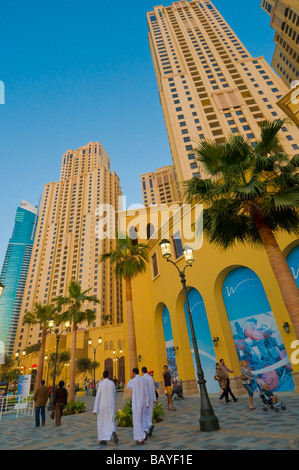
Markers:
{"x": 18, "y": 405}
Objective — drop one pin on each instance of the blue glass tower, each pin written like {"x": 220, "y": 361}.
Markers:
{"x": 14, "y": 272}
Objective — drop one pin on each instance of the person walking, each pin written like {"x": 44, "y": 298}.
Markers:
{"x": 224, "y": 370}
{"x": 148, "y": 414}
{"x": 60, "y": 401}
{"x": 168, "y": 381}
{"x": 139, "y": 403}
{"x": 40, "y": 398}
{"x": 222, "y": 383}
{"x": 151, "y": 373}
{"x": 104, "y": 408}
{"x": 247, "y": 379}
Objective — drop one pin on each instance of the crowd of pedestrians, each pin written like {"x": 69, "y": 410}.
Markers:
{"x": 144, "y": 397}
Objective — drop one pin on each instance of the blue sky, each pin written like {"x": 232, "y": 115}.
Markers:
{"x": 76, "y": 72}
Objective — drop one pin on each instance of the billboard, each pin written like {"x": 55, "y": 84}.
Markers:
{"x": 24, "y": 384}
{"x": 3, "y": 389}
{"x": 256, "y": 335}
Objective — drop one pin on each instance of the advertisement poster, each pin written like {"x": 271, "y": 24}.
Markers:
{"x": 3, "y": 393}
{"x": 171, "y": 359}
{"x": 203, "y": 339}
{"x": 257, "y": 338}
{"x": 293, "y": 262}
{"x": 24, "y": 385}
{"x": 3, "y": 389}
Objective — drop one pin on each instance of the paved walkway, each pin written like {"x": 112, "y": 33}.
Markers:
{"x": 240, "y": 429}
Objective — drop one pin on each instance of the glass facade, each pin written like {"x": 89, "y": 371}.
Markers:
{"x": 14, "y": 273}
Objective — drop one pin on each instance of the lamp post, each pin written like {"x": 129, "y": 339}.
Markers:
{"x": 94, "y": 392}
{"x": 115, "y": 360}
{"x": 18, "y": 358}
{"x": 58, "y": 335}
{"x": 208, "y": 421}
{"x": 46, "y": 359}
{"x": 66, "y": 365}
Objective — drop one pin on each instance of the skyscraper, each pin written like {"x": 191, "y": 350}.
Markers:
{"x": 285, "y": 21}
{"x": 14, "y": 272}
{"x": 209, "y": 85}
{"x": 67, "y": 246}
{"x": 160, "y": 187}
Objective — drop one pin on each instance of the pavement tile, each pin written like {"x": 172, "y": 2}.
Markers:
{"x": 240, "y": 429}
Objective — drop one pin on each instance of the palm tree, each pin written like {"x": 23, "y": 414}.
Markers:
{"x": 61, "y": 359}
{"x": 129, "y": 259}
{"x": 84, "y": 365}
{"x": 76, "y": 312}
{"x": 42, "y": 314}
{"x": 253, "y": 194}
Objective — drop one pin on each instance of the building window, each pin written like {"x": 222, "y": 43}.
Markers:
{"x": 155, "y": 269}
{"x": 178, "y": 245}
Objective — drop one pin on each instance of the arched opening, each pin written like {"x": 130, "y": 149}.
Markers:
{"x": 150, "y": 230}
{"x": 133, "y": 235}
{"x": 203, "y": 339}
{"x": 121, "y": 370}
{"x": 254, "y": 329}
{"x": 109, "y": 367}
{"x": 169, "y": 343}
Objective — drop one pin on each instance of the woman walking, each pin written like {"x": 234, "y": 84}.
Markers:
{"x": 60, "y": 401}
{"x": 168, "y": 381}
{"x": 247, "y": 378}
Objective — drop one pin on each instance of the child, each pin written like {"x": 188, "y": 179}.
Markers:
{"x": 270, "y": 395}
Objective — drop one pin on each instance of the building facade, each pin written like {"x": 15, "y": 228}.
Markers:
{"x": 14, "y": 272}
{"x": 209, "y": 84}
{"x": 68, "y": 243}
{"x": 285, "y": 21}
{"x": 236, "y": 307}
{"x": 160, "y": 187}
{"x": 290, "y": 103}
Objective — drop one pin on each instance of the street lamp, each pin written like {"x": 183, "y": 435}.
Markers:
{"x": 115, "y": 360}
{"x": 94, "y": 392}
{"x": 18, "y": 358}
{"x": 66, "y": 366}
{"x": 208, "y": 421}
{"x": 46, "y": 359}
{"x": 58, "y": 335}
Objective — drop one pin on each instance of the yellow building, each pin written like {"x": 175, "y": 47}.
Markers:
{"x": 234, "y": 298}
{"x": 160, "y": 187}
{"x": 290, "y": 103}
{"x": 209, "y": 84}
{"x": 285, "y": 21}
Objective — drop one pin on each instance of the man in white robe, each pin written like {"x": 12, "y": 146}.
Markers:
{"x": 148, "y": 414}
{"x": 139, "y": 403}
{"x": 104, "y": 408}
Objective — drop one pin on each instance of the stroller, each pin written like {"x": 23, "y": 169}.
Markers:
{"x": 268, "y": 401}
{"x": 178, "y": 391}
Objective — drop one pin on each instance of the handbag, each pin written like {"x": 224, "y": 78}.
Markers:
{"x": 52, "y": 415}
{"x": 243, "y": 377}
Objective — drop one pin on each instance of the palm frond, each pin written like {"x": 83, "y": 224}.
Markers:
{"x": 288, "y": 199}
{"x": 210, "y": 155}
{"x": 269, "y": 140}
{"x": 129, "y": 259}
{"x": 198, "y": 189}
